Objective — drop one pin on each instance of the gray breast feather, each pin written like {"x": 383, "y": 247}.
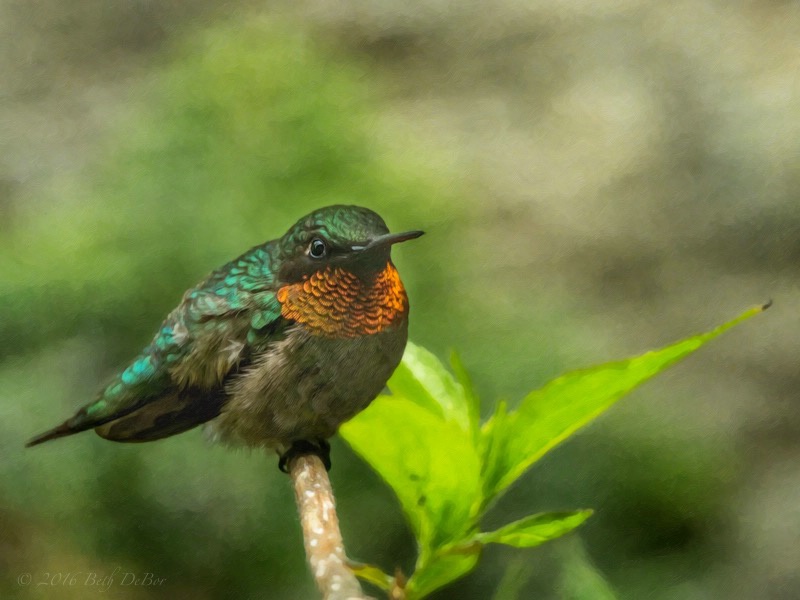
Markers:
{"x": 304, "y": 386}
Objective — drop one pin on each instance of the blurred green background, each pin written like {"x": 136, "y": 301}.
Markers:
{"x": 596, "y": 178}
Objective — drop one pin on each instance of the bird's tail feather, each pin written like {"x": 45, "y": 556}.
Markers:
{"x": 60, "y": 431}
{"x": 145, "y": 420}
{"x": 87, "y": 417}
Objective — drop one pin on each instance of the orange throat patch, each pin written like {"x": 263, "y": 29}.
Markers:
{"x": 336, "y": 303}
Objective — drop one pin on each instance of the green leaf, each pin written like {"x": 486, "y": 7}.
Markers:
{"x": 458, "y": 559}
{"x": 423, "y": 379}
{"x": 440, "y": 571}
{"x": 491, "y": 440}
{"x": 473, "y": 403}
{"x": 430, "y": 463}
{"x": 371, "y": 574}
{"x": 549, "y": 415}
{"x": 535, "y": 529}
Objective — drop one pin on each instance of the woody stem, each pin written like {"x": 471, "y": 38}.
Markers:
{"x": 323, "y": 539}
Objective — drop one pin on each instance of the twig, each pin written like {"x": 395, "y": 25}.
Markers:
{"x": 398, "y": 589}
{"x": 323, "y": 540}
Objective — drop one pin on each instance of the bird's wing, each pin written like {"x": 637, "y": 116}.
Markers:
{"x": 197, "y": 366}
{"x": 175, "y": 383}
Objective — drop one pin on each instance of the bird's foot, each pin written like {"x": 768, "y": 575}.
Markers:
{"x": 318, "y": 447}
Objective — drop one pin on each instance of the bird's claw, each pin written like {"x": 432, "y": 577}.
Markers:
{"x": 319, "y": 447}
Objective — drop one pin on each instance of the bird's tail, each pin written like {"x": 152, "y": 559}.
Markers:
{"x": 66, "y": 428}
{"x": 88, "y": 417}
{"x": 143, "y": 420}
{"x": 126, "y": 393}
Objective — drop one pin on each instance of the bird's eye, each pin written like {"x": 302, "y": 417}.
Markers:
{"x": 317, "y": 248}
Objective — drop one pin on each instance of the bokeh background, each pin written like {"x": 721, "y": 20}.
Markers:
{"x": 596, "y": 178}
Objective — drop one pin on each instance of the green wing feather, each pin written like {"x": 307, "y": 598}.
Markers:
{"x": 176, "y": 382}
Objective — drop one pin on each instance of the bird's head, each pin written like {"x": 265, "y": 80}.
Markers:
{"x": 352, "y": 238}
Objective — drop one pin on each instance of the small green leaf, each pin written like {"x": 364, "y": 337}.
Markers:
{"x": 451, "y": 562}
{"x": 548, "y": 416}
{"x": 471, "y": 397}
{"x": 492, "y": 443}
{"x": 440, "y": 571}
{"x": 535, "y": 529}
{"x": 431, "y": 464}
{"x": 371, "y": 574}
{"x": 423, "y": 379}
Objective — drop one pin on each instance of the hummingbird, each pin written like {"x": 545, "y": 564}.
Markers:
{"x": 275, "y": 349}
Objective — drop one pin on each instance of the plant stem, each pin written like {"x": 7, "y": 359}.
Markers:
{"x": 323, "y": 539}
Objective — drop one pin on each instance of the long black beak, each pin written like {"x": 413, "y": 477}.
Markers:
{"x": 388, "y": 239}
